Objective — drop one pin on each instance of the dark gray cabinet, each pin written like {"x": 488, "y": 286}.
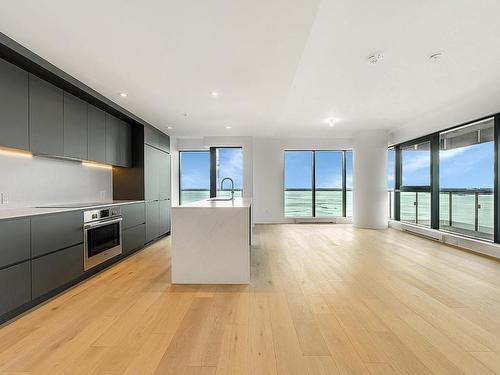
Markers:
{"x": 151, "y": 173}
{"x": 13, "y": 106}
{"x": 152, "y": 220}
{"x": 55, "y": 270}
{"x": 133, "y": 238}
{"x": 164, "y": 220}
{"x": 156, "y": 138}
{"x": 164, "y": 143}
{"x": 15, "y": 287}
{"x": 14, "y": 241}
{"x": 96, "y": 134}
{"x": 45, "y": 117}
{"x": 75, "y": 127}
{"x": 133, "y": 215}
{"x": 118, "y": 142}
{"x": 163, "y": 168}
{"x": 55, "y": 231}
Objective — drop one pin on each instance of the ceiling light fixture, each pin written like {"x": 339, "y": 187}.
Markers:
{"x": 229, "y": 127}
{"x": 436, "y": 56}
{"x": 170, "y": 127}
{"x": 375, "y": 58}
{"x": 123, "y": 94}
{"x": 331, "y": 122}
{"x": 214, "y": 93}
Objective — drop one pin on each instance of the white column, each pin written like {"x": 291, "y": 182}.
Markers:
{"x": 370, "y": 179}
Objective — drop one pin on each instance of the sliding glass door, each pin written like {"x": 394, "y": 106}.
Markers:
{"x": 299, "y": 183}
{"x": 229, "y": 163}
{"x": 328, "y": 183}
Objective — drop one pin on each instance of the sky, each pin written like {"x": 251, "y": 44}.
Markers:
{"x": 195, "y": 168}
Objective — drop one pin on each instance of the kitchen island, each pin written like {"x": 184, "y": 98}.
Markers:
{"x": 211, "y": 242}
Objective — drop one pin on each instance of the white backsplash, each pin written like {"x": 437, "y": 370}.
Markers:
{"x": 28, "y": 182}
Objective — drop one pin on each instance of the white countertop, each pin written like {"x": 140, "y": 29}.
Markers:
{"x": 12, "y": 213}
{"x": 236, "y": 203}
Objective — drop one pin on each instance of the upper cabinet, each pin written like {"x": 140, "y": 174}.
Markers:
{"x": 13, "y": 106}
{"x": 156, "y": 138}
{"x": 118, "y": 142}
{"x": 96, "y": 134}
{"x": 75, "y": 127}
{"x": 46, "y": 117}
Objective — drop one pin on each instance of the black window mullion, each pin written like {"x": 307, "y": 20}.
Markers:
{"x": 496, "y": 192}
{"x": 435, "y": 181}
{"x": 313, "y": 183}
{"x": 213, "y": 172}
{"x": 397, "y": 182}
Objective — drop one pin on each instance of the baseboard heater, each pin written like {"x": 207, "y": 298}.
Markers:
{"x": 315, "y": 221}
{"x": 424, "y": 232}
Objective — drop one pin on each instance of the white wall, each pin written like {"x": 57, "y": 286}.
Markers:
{"x": 263, "y": 160}
{"x": 36, "y": 181}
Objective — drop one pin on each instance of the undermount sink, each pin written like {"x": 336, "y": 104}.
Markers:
{"x": 219, "y": 199}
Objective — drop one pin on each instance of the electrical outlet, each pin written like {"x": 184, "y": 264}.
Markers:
{"x": 4, "y": 198}
{"x": 102, "y": 194}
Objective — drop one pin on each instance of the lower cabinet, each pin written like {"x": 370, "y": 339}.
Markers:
{"x": 164, "y": 216}
{"x": 133, "y": 238}
{"x": 15, "y": 287}
{"x": 54, "y": 270}
{"x": 152, "y": 220}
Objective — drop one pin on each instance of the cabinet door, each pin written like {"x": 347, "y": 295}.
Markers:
{"x": 54, "y": 270}
{"x": 45, "y": 117}
{"x": 14, "y": 241}
{"x": 164, "y": 174}
{"x": 151, "y": 176}
{"x": 152, "y": 220}
{"x": 96, "y": 134}
{"x": 164, "y": 143}
{"x": 15, "y": 287}
{"x": 164, "y": 216}
{"x": 13, "y": 106}
{"x": 75, "y": 127}
{"x": 55, "y": 231}
{"x": 133, "y": 215}
{"x": 134, "y": 238}
{"x": 151, "y": 136}
{"x": 112, "y": 139}
{"x": 124, "y": 144}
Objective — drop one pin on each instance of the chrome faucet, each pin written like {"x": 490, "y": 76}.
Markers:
{"x": 232, "y": 186}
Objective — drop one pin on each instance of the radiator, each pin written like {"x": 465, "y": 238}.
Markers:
{"x": 424, "y": 232}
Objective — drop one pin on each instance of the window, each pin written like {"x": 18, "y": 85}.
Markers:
{"x": 298, "y": 183}
{"x": 229, "y": 162}
{"x": 328, "y": 183}
{"x": 348, "y": 183}
{"x": 198, "y": 181}
{"x": 194, "y": 176}
{"x": 466, "y": 179}
{"x": 314, "y": 183}
{"x": 391, "y": 180}
{"x": 415, "y": 197}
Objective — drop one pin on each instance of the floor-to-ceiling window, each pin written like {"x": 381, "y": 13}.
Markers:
{"x": 415, "y": 197}
{"x": 328, "y": 183}
{"x": 201, "y": 173}
{"x": 299, "y": 183}
{"x": 229, "y": 163}
{"x": 318, "y": 183}
{"x": 348, "y": 183}
{"x": 194, "y": 176}
{"x": 466, "y": 179}
{"x": 391, "y": 169}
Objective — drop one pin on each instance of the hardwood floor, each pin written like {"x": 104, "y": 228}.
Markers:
{"x": 324, "y": 299}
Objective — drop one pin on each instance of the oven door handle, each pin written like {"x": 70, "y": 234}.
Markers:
{"x": 102, "y": 223}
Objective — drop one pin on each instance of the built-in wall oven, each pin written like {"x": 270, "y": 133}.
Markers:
{"x": 102, "y": 236}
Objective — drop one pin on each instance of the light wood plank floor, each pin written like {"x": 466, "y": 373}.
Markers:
{"x": 324, "y": 299}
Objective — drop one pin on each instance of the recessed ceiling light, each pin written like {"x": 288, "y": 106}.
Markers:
{"x": 214, "y": 93}
{"x": 229, "y": 127}
{"x": 123, "y": 94}
{"x": 170, "y": 127}
{"x": 331, "y": 122}
{"x": 436, "y": 56}
{"x": 375, "y": 58}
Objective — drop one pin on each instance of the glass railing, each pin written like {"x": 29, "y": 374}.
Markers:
{"x": 298, "y": 202}
{"x": 467, "y": 211}
{"x": 415, "y": 207}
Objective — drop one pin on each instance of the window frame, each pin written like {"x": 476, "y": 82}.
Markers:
{"x": 343, "y": 187}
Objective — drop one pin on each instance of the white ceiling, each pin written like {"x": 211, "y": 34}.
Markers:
{"x": 281, "y": 67}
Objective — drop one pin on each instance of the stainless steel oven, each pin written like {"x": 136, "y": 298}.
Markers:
{"x": 102, "y": 235}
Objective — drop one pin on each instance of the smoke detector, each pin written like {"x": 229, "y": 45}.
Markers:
{"x": 375, "y": 58}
